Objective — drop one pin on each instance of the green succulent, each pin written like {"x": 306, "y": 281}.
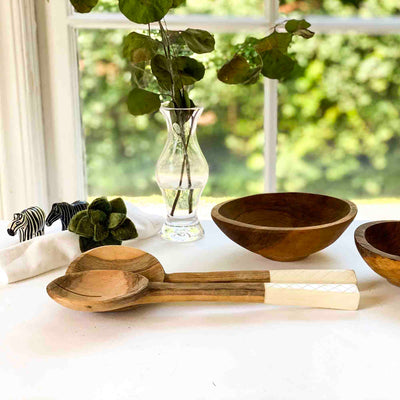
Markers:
{"x": 103, "y": 223}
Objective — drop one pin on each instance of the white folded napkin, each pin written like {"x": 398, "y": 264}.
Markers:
{"x": 54, "y": 250}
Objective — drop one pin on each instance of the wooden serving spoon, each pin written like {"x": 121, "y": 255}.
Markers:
{"x": 111, "y": 290}
{"x": 134, "y": 260}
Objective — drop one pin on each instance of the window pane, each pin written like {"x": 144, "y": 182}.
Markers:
{"x": 107, "y": 6}
{"x": 339, "y": 117}
{"x": 362, "y": 8}
{"x": 122, "y": 150}
{"x": 212, "y": 7}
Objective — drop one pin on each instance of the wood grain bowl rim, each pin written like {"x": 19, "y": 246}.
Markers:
{"x": 361, "y": 240}
{"x": 216, "y": 215}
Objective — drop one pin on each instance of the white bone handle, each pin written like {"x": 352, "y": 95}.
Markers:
{"x": 335, "y": 296}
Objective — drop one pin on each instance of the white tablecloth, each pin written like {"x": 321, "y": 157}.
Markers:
{"x": 204, "y": 351}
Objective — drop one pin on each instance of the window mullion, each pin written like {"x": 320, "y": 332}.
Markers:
{"x": 212, "y": 23}
{"x": 372, "y": 26}
{"x": 270, "y": 111}
{"x": 231, "y": 24}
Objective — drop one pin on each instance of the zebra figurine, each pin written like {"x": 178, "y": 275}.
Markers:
{"x": 65, "y": 212}
{"x": 29, "y": 223}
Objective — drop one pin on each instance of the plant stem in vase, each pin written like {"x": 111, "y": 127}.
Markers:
{"x": 182, "y": 173}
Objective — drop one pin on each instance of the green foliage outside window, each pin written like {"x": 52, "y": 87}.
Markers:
{"x": 339, "y": 121}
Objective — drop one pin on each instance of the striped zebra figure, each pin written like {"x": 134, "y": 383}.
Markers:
{"x": 65, "y": 212}
{"x": 29, "y": 223}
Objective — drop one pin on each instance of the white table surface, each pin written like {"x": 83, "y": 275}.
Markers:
{"x": 204, "y": 350}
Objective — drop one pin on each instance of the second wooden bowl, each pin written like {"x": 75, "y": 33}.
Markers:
{"x": 284, "y": 226}
{"x": 379, "y": 245}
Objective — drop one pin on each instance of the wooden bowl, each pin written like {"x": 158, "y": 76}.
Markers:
{"x": 379, "y": 245}
{"x": 284, "y": 226}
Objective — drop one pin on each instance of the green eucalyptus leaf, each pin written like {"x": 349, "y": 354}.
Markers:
{"x": 161, "y": 70}
{"x": 139, "y": 74}
{"x": 76, "y": 219}
{"x": 116, "y": 219}
{"x": 118, "y": 206}
{"x": 299, "y": 27}
{"x": 250, "y": 41}
{"x": 144, "y": 11}
{"x": 100, "y": 233}
{"x": 102, "y": 204}
{"x": 126, "y": 231}
{"x": 84, "y": 6}
{"x": 138, "y": 48}
{"x": 189, "y": 70}
{"x": 276, "y": 65}
{"x": 187, "y": 103}
{"x": 235, "y": 71}
{"x": 182, "y": 100}
{"x": 177, "y": 3}
{"x": 252, "y": 76}
{"x": 185, "y": 70}
{"x": 275, "y": 40}
{"x": 97, "y": 216}
{"x": 198, "y": 41}
{"x": 141, "y": 102}
{"x": 294, "y": 25}
{"x": 85, "y": 227}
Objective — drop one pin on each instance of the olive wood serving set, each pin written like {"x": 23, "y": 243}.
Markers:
{"x": 112, "y": 278}
{"x": 116, "y": 290}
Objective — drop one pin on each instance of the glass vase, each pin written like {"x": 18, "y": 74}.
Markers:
{"x": 182, "y": 173}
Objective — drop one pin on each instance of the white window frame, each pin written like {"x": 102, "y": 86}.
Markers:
{"x": 42, "y": 157}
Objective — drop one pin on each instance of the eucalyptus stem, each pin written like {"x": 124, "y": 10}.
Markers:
{"x": 190, "y": 198}
{"x": 186, "y": 164}
{"x": 167, "y": 53}
{"x": 182, "y": 99}
{"x": 178, "y": 193}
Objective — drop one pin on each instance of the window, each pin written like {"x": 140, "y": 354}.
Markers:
{"x": 337, "y": 116}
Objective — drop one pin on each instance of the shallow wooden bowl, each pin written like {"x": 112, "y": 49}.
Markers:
{"x": 379, "y": 245}
{"x": 284, "y": 226}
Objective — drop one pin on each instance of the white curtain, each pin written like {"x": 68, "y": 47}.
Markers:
{"x": 23, "y": 178}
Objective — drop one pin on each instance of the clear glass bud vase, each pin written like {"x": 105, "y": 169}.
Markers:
{"x": 182, "y": 173}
